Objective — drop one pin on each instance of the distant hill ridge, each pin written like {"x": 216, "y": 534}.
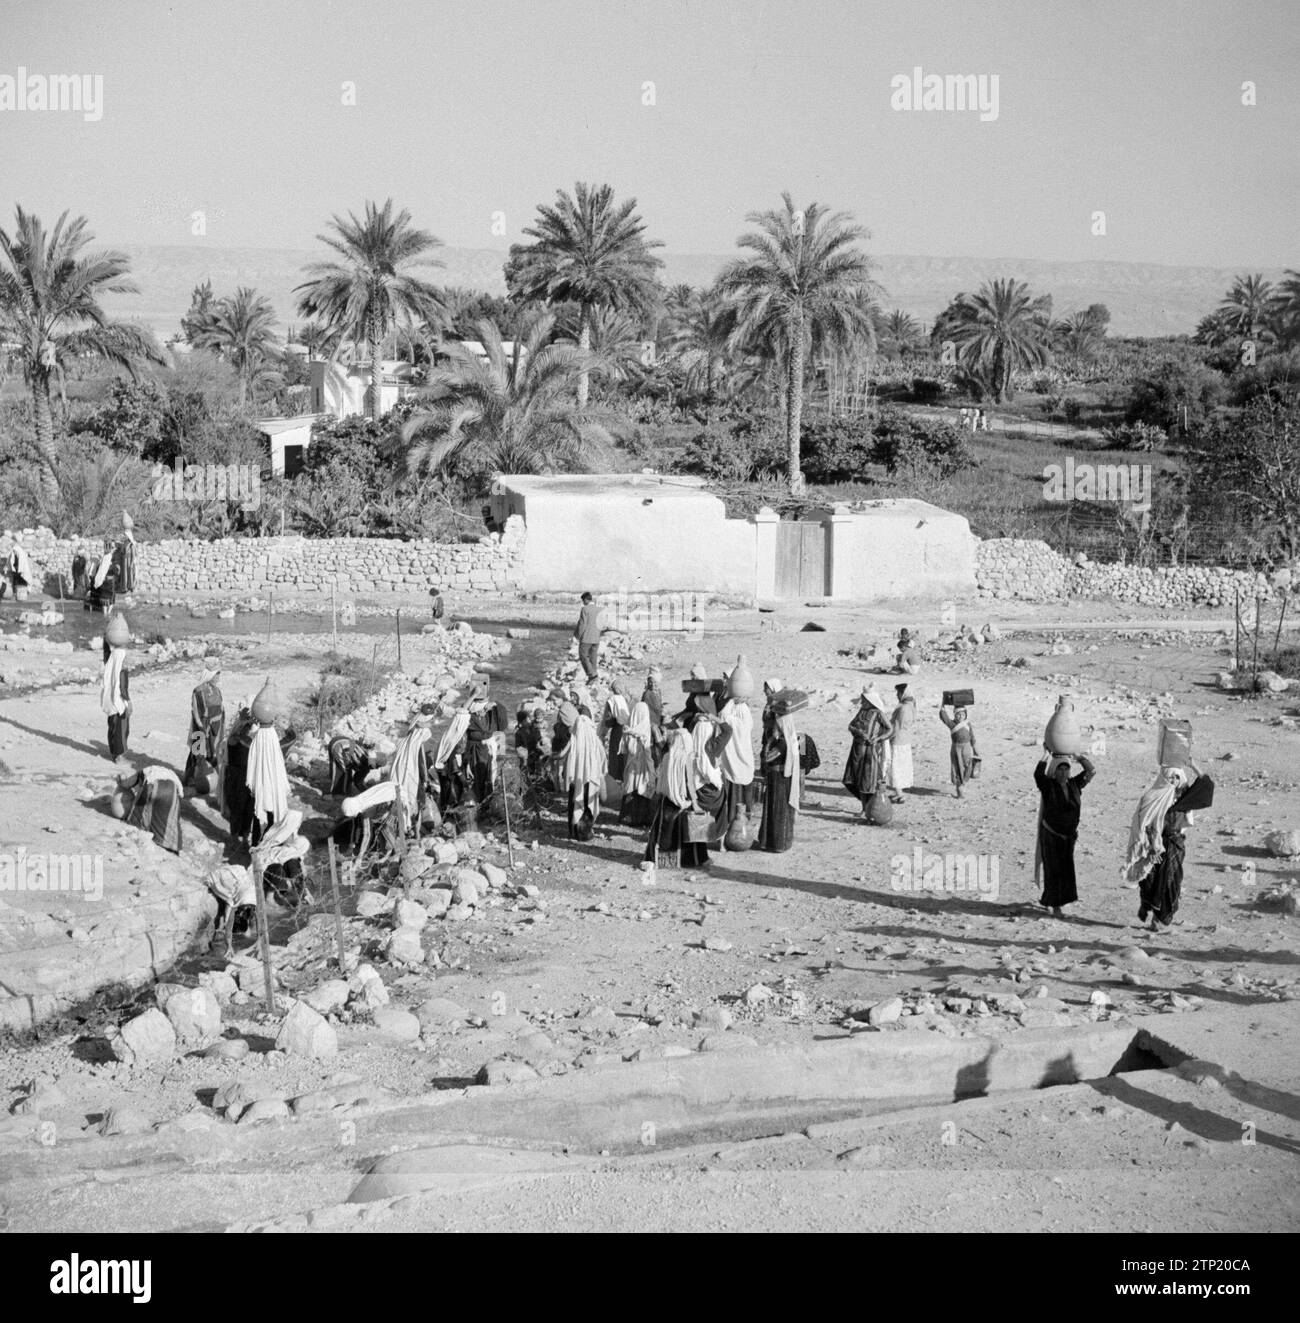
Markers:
{"x": 1144, "y": 298}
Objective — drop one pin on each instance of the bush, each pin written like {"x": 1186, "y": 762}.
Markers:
{"x": 1073, "y": 410}
{"x": 1178, "y": 395}
{"x": 837, "y": 449}
{"x": 928, "y": 390}
{"x": 921, "y": 446}
{"x": 1135, "y": 436}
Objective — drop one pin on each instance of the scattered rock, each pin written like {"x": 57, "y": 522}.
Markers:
{"x": 332, "y": 995}
{"x": 366, "y": 988}
{"x": 716, "y": 944}
{"x": 885, "y": 1012}
{"x": 396, "y": 1025}
{"x": 195, "y": 1014}
{"x": 147, "y": 1037}
{"x": 228, "y": 1049}
{"x": 371, "y": 904}
{"x": 409, "y": 914}
{"x": 505, "y": 1072}
{"x": 1283, "y": 844}
{"x": 306, "y": 1032}
{"x": 123, "y": 1121}
{"x": 264, "y": 1109}
{"x": 219, "y": 983}
{"x": 440, "y": 1013}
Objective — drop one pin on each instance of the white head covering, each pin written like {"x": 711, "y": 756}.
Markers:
{"x": 791, "y": 766}
{"x": 737, "y": 759}
{"x": 384, "y": 792}
{"x": 266, "y": 776}
{"x": 453, "y": 736}
{"x": 584, "y": 761}
{"x": 111, "y": 702}
{"x": 1146, "y": 832}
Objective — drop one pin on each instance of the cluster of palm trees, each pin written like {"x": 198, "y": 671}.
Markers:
{"x": 1257, "y": 310}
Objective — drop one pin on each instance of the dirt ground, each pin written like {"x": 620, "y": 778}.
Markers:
{"x": 609, "y": 968}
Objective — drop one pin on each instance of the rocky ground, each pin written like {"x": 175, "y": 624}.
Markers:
{"x": 471, "y": 969}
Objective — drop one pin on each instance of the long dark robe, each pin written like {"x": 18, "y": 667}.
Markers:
{"x": 124, "y": 565}
{"x": 237, "y": 796}
{"x": 478, "y": 755}
{"x": 863, "y": 771}
{"x": 1058, "y": 830}
{"x": 207, "y": 722}
{"x": 669, "y": 845}
{"x": 156, "y": 808}
{"x": 614, "y": 748}
{"x": 1162, "y": 889}
{"x": 776, "y": 831}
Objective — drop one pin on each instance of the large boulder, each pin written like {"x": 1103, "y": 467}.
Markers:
{"x": 306, "y": 1033}
{"x": 195, "y": 1014}
{"x": 148, "y": 1037}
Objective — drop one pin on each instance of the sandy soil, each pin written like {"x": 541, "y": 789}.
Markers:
{"x": 607, "y": 966}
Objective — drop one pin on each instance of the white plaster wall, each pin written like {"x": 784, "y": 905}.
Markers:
{"x": 578, "y": 541}
{"x": 903, "y": 549}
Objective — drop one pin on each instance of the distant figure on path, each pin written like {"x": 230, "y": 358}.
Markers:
{"x": 783, "y": 780}
{"x": 964, "y": 755}
{"x": 436, "y": 603}
{"x": 587, "y": 631}
{"x": 908, "y": 657}
{"x": 1058, "y": 826}
{"x": 1156, "y": 846}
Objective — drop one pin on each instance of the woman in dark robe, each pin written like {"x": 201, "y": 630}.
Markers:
{"x": 154, "y": 805}
{"x": 864, "y": 771}
{"x": 1157, "y": 848}
{"x": 618, "y": 712}
{"x": 779, "y": 761}
{"x": 689, "y": 797}
{"x": 207, "y": 726}
{"x": 1058, "y": 827}
{"x": 485, "y": 720}
{"x": 350, "y": 764}
{"x": 124, "y": 564}
{"x": 236, "y": 798}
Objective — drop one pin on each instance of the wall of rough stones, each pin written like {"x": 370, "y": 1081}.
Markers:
{"x": 1032, "y": 571}
{"x": 358, "y": 565}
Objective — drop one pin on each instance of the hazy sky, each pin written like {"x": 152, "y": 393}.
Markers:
{"x": 1130, "y": 107}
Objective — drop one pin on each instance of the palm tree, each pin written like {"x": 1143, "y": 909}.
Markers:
{"x": 505, "y": 412}
{"x": 1215, "y": 329}
{"x": 1001, "y": 329}
{"x": 1078, "y": 335}
{"x": 1246, "y": 304}
{"x": 590, "y": 251}
{"x": 241, "y": 330}
{"x": 50, "y": 289}
{"x": 900, "y": 332}
{"x": 1285, "y": 310}
{"x": 704, "y": 323}
{"x": 374, "y": 288}
{"x": 802, "y": 280}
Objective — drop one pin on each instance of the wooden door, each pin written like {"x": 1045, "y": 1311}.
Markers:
{"x": 800, "y": 559}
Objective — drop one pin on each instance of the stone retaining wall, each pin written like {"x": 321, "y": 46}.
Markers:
{"x": 1032, "y": 571}
{"x": 304, "y": 565}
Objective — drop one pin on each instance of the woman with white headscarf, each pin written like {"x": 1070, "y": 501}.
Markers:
{"x": 1061, "y": 797}
{"x": 1156, "y": 845}
{"x": 864, "y": 773}
{"x": 448, "y": 762}
{"x": 266, "y": 779}
{"x": 411, "y": 771}
{"x": 639, "y": 776}
{"x": 583, "y": 768}
{"x": 614, "y": 721}
{"x": 689, "y": 791}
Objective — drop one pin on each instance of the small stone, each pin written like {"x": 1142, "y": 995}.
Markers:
{"x": 495, "y": 876}
{"x": 371, "y": 904}
{"x": 123, "y": 1121}
{"x": 228, "y": 1049}
{"x": 409, "y": 914}
{"x": 713, "y": 1017}
{"x": 758, "y": 994}
{"x": 505, "y": 1072}
{"x": 885, "y": 1012}
{"x": 716, "y": 944}
{"x": 366, "y": 988}
{"x": 439, "y": 1013}
{"x": 219, "y": 983}
{"x": 265, "y": 1109}
{"x": 395, "y": 1025}
{"x": 405, "y": 947}
{"x": 332, "y": 995}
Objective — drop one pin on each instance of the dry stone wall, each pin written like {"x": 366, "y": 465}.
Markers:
{"x": 303, "y": 565}
{"x": 1032, "y": 571}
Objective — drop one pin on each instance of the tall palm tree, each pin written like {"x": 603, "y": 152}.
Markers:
{"x": 374, "y": 288}
{"x": 1285, "y": 309}
{"x": 505, "y": 412}
{"x": 50, "y": 291}
{"x": 1078, "y": 335}
{"x": 701, "y": 336}
{"x": 900, "y": 332}
{"x": 240, "y": 330}
{"x": 1246, "y": 304}
{"x": 803, "y": 277}
{"x": 997, "y": 331}
{"x": 591, "y": 251}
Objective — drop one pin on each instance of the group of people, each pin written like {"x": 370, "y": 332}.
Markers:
{"x": 692, "y": 780}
